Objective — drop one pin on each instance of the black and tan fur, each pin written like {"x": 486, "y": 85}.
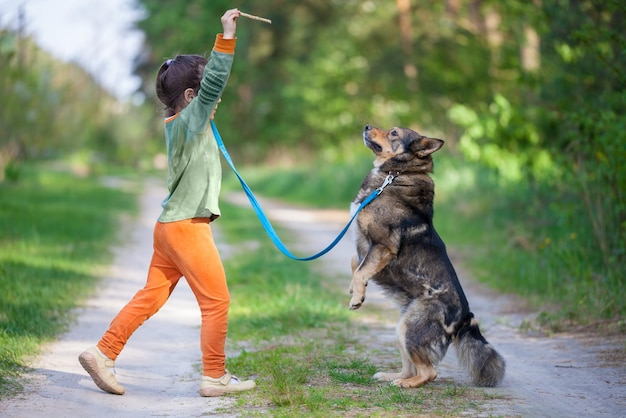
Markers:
{"x": 398, "y": 248}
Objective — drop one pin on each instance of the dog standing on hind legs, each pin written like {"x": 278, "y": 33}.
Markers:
{"x": 398, "y": 248}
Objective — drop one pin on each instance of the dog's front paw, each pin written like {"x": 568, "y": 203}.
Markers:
{"x": 356, "y": 302}
{"x": 357, "y": 290}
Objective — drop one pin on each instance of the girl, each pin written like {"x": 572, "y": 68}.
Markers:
{"x": 190, "y": 88}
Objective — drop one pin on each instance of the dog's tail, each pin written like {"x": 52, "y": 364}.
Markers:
{"x": 483, "y": 362}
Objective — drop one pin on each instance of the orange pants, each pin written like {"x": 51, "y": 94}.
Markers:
{"x": 184, "y": 248}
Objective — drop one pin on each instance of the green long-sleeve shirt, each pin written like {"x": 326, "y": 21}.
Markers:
{"x": 194, "y": 169}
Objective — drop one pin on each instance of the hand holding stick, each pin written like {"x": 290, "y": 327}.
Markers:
{"x": 253, "y": 17}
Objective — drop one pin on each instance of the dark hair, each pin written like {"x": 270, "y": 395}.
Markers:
{"x": 177, "y": 75}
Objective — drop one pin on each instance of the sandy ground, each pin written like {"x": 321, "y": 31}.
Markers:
{"x": 559, "y": 376}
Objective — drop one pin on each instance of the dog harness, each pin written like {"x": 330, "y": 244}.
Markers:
{"x": 265, "y": 221}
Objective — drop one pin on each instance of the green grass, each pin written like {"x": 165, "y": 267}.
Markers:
{"x": 310, "y": 375}
{"x": 55, "y": 232}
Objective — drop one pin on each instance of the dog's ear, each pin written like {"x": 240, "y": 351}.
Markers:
{"x": 423, "y": 147}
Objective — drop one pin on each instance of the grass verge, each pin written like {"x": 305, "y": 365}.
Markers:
{"x": 55, "y": 234}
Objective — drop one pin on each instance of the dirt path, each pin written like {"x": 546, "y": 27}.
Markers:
{"x": 560, "y": 376}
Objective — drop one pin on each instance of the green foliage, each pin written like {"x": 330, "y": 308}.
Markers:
{"x": 323, "y": 69}
{"x": 585, "y": 102}
{"x": 597, "y": 153}
{"x": 563, "y": 140}
{"x": 56, "y": 230}
{"x": 54, "y": 110}
{"x": 534, "y": 239}
{"x": 502, "y": 137}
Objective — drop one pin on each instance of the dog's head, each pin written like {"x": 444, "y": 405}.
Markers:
{"x": 400, "y": 148}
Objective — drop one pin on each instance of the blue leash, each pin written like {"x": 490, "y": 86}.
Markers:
{"x": 266, "y": 223}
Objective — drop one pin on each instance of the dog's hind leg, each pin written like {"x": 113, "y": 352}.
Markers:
{"x": 425, "y": 373}
{"x": 408, "y": 369}
{"x": 425, "y": 341}
{"x": 416, "y": 361}
{"x": 415, "y": 372}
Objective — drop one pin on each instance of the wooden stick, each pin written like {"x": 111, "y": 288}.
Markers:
{"x": 253, "y": 17}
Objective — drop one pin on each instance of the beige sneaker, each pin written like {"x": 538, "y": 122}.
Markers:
{"x": 99, "y": 368}
{"x": 223, "y": 385}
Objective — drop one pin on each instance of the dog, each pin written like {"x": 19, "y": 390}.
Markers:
{"x": 398, "y": 248}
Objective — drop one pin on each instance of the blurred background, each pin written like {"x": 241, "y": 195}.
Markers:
{"x": 528, "y": 95}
